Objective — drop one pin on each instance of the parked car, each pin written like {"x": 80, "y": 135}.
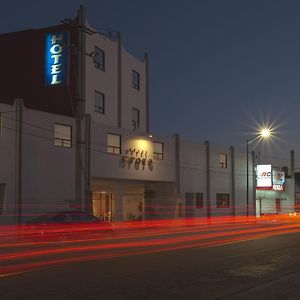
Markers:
{"x": 67, "y": 225}
{"x": 66, "y": 217}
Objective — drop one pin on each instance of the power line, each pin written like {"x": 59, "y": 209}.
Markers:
{"x": 162, "y": 163}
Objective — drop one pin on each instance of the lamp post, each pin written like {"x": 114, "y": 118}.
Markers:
{"x": 263, "y": 134}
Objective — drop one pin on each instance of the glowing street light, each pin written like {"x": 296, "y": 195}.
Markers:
{"x": 263, "y": 134}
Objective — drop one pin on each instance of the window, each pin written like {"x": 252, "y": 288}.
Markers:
{"x": 99, "y": 59}
{"x": 135, "y": 80}
{"x": 223, "y": 160}
{"x": 62, "y": 135}
{"x": 99, "y": 102}
{"x": 199, "y": 200}
{"x": 158, "y": 150}
{"x": 113, "y": 143}
{"x": 222, "y": 200}
{"x": 135, "y": 118}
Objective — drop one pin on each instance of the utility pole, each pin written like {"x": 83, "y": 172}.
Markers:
{"x": 79, "y": 107}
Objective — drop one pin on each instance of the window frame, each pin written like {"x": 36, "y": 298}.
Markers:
{"x": 113, "y": 147}
{"x": 135, "y": 123}
{"x": 97, "y": 108}
{"x": 98, "y": 65}
{"x": 158, "y": 155}
{"x": 223, "y": 165}
{"x": 61, "y": 139}
{"x": 135, "y": 81}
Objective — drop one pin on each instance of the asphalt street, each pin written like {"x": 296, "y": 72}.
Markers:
{"x": 256, "y": 268}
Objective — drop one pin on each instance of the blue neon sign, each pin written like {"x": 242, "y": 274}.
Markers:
{"x": 56, "y": 68}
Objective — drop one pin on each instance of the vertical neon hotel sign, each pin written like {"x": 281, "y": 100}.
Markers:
{"x": 56, "y": 58}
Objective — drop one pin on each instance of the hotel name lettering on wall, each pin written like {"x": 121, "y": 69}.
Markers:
{"x": 137, "y": 158}
{"x": 56, "y": 58}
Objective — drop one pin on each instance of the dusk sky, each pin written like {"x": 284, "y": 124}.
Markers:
{"x": 218, "y": 69}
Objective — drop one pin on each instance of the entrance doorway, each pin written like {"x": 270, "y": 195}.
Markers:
{"x": 104, "y": 206}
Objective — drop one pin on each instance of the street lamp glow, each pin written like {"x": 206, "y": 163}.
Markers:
{"x": 265, "y": 133}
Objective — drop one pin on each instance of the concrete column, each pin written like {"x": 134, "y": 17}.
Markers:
{"x": 119, "y": 205}
{"x": 146, "y": 59}
{"x": 292, "y": 164}
{"x": 253, "y": 182}
{"x": 18, "y": 161}
{"x": 208, "y": 208}
{"x": 177, "y": 162}
{"x": 232, "y": 180}
{"x": 293, "y": 177}
{"x": 119, "y": 80}
{"x": 80, "y": 96}
{"x": 88, "y": 192}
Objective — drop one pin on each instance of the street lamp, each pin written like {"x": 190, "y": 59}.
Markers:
{"x": 264, "y": 133}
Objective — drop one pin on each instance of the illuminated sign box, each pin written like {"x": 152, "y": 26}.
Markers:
{"x": 278, "y": 187}
{"x": 278, "y": 177}
{"x": 56, "y": 65}
{"x": 264, "y": 177}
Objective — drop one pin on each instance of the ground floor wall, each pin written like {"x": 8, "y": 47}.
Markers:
{"x": 276, "y": 202}
{"x": 128, "y": 200}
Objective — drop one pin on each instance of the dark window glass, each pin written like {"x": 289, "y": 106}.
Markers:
{"x": 99, "y": 59}
{"x": 99, "y": 102}
{"x": 135, "y": 80}
{"x": 135, "y": 118}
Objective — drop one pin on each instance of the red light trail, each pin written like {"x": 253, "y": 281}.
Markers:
{"x": 24, "y": 249}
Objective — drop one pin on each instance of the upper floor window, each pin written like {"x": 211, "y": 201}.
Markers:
{"x": 113, "y": 143}
{"x": 158, "y": 151}
{"x": 135, "y": 117}
{"x": 222, "y": 200}
{"x": 135, "y": 80}
{"x": 223, "y": 160}
{"x": 99, "y": 59}
{"x": 99, "y": 102}
{"x": 62, "y": 135}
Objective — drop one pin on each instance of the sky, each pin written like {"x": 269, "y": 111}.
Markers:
{"x": 219, "y": 70}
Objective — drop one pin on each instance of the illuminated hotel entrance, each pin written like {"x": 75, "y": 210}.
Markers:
{"x": 103, "y": 206}
{"x": 131, "y": 200}
{"x": 121, "y": 200}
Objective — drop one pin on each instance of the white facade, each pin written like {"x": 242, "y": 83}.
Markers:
{"x": 122, "y": 186}
{"x": 38, "y": 175}
{"x": 127, "y": 181}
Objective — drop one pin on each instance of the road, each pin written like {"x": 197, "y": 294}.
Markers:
{"x": 243, "y": 260}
